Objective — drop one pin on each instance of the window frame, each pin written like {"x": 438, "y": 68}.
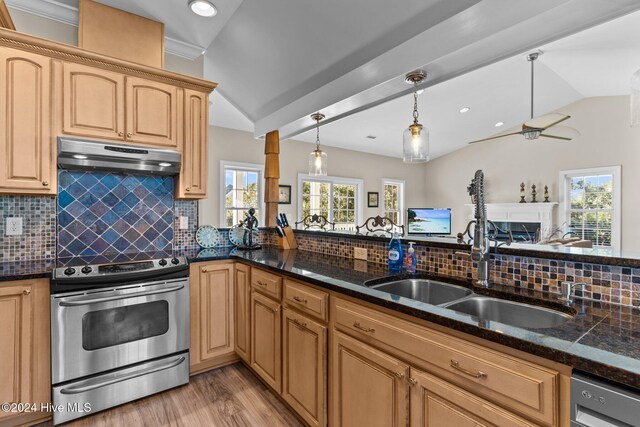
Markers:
{"x": 401, "y": 198}
{"x": 333, "y": 180}
{"x": 616, "y": 223}
{"x": 248, "y": 167}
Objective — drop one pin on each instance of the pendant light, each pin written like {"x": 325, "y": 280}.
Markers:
{"x": 415, "y": 139}
{"x": 317, "y": 158}
{"x": 635, "y": 99}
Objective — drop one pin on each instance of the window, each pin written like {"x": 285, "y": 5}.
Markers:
{"x": 393, "y": 200}
{"x": 241, "y": 189}
{"x": 591, "y": 205}
{"x": 337, "y": 199}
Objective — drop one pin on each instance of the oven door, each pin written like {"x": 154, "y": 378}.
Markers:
{"x": 113, "y": 327}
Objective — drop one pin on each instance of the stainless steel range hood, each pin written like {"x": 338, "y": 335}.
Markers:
{"x": 97, "y": 155}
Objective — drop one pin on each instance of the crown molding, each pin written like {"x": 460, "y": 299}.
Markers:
{"x": 60, "y": 12}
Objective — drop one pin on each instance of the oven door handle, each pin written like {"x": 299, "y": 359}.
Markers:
{"x": 76, "y": 303}
{"x": 114, "y": 380}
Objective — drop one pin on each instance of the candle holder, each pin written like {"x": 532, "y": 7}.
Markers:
{"x": 534, "y": 193}
{"x": 546, "y": 194}
{"x": 522, "y": 193}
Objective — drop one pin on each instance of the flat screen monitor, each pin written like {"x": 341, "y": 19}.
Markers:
{"x": 429, "y": 220}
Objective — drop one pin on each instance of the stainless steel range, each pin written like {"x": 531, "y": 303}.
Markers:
{"x": 119, "y": 332}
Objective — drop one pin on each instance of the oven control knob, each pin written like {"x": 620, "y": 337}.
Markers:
{"x": 162, "y": 262}
{"x": 69, "y": 271}
{"x": 86, "y": 269}
{"x": 175, "y": 261}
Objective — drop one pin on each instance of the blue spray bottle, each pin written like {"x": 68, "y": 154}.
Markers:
{"x": 395, "y": 259}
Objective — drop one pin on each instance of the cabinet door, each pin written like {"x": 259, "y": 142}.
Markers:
{"x": 93, "y": 102}
{"x": 435, "y": 403}
{"x": 304, "y": 366}
{"x": 216, "y": 310}
{"x": 242, "y": 311}
{"x": 24, "y": 353}
{"x": 265, "y": 340}
{"x": 369, "y": 387}
{"x": 151, "y": 112}
{"x": 192, "y": 182}
{"x": 27, "y": 157}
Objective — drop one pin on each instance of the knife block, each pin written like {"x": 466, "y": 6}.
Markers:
{"x": 289, "y": 239}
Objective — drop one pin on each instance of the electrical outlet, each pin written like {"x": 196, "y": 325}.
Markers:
{"x": 184, "y": 222}
{"x": 14, "y": 226}
{"x": 360, "y": 253}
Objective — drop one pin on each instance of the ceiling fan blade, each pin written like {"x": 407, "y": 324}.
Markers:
{"x": 546, "y": 121}
{"x": 555, "y": 137}
{"x": 496, "y": 137}
{"x": 563, "y": 131}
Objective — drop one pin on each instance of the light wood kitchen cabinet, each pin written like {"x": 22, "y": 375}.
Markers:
{"x": 25, "y": 351}
{"x": 266, "y": 332}
{"x": 436, "y": 403}
{"x": 151, "y": 112}
{"x": 242, "y": 311}
{"x": 369, "y": 387}
{"x": 212, "y": 320}
{"x": 93, "y": 102}
{"x": 27, "y": 154}
{"x": 192, "y": 183}
{"x": 304, "y": 366}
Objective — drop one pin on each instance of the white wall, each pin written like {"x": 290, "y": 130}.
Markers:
{"x": 606, "y": 140}
{"x": 239, "y": 146}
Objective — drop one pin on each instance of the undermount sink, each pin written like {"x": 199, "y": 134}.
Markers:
{"x": 425, "y": 290}
{"x": 509, "y": 312}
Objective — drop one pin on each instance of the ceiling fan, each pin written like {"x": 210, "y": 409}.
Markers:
{"x": 538, "y": 127}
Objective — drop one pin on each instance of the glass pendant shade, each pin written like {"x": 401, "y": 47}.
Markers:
{"x": 415, "y": 144}
{"x": 318, "y": 163}
{"x": 635, "y": 99}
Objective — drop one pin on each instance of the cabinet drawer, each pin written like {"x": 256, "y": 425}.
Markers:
{"x": 519, "y": 385}
{"x": 306, "y": 299}
{"x": 266, "y": 283}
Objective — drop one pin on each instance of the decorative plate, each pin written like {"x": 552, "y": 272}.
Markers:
{"x": 208, "y": 236}
{"x": 208, "y": 253}
{"x": 236, "y": 234}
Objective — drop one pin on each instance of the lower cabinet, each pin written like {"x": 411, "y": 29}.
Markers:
{"x": 369, "y": 387}
{"x": 436, "y": 403}
{"x": 266, "y": 340}
{"x": 212, "y": 328}
{"x": 242, "y": 311}
{"x": 304, "y": 366}
{"x": 24, "y": 351}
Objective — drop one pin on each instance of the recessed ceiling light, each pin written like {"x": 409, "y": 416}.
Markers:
{"x": 420, "y": 91}
{"x": 79, "y": 156}
{"x": 498, "y": 124}
{"x": 164, "y": 164}
{"x": 203, "y": 8}
{"x": 464, "y": 110}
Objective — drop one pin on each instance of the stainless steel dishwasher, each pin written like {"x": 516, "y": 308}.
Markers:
{"x": 596, "y": 403}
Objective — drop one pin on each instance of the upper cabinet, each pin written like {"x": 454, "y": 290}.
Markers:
{"x": 192, "y": 183}
{"x": 93, "y": 102}
{"x": 27, "y": 159}
{"x": 152, "y": 113}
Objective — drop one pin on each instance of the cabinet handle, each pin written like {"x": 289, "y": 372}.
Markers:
{"x": 129, "y": 134}
{"x": 188, "y": 189}
{"x": 400, "y": 375}
{"x": 357, "y": 325}
{"x": 120, "y": 134}
{"x": 27, "y": 291}
{"x": 204, "y": 270}
{"x": 456, "y": 365}
{"x": 302, "y": 300}
{"x": 261, "y": 283}
{"x": 277, "y": 309}
{"x": 299, "y": 323}
{"x": 45, "y": 183}
{"x": 412, "y": 381}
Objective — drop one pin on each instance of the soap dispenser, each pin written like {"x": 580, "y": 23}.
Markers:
{"x": 411, "y": 258}
{"x": 395, "y": 258}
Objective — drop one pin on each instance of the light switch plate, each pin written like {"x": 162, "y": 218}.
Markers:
{"x": 360, "y": 253}
{"x": 13, "y": 226}
{"x": 184, "y": 222}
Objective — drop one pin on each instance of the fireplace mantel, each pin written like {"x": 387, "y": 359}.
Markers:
{"x": 542, "y": 213}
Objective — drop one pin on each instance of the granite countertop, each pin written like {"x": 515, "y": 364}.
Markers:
{"x": 601, "y": 339}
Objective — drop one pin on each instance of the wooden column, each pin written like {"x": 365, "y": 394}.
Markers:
{"x": 271, "y": 176}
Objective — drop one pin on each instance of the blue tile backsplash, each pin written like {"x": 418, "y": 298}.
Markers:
{"x": 101, "y": 213}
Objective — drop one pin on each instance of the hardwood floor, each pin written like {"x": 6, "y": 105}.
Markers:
{"x": 230, "y": 396}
